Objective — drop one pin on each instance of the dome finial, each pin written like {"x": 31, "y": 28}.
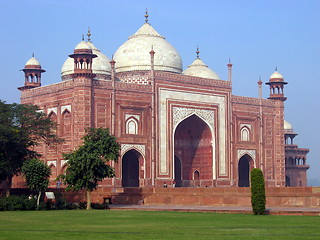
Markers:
{"x": 89, "y": 35}
{"x": 146, "y": 15}
{"x": 82, "y": 37}
{"x": 32, "y": 54}
{"x": 198, "y": 52}
{"x": 276, "y": 69}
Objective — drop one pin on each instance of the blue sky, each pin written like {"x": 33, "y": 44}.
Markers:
{"x": 257, "y": 35}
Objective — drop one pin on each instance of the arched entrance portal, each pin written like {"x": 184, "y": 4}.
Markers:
{"x": 130, "y": 169}
{"x": 244, "y": 166}
{"x": 193, "y": 149}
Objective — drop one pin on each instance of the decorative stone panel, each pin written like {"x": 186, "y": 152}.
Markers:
{"x": 66, "y": 107}
{"x": 54, "y": 163}
{"x": 180, "y": 113}
{"x": 251, "y": 153}
{"x": 139, "y": 147}
{"x": 53, "y": 109}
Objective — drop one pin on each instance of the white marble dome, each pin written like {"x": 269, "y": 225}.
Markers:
{"x": 287, "y": 126}
{"x": 199, "y": 69}
{"x": 32, "y": 62}
{"x": 276, "y": 74}
{"x": 82, "y": 45}
{"x": 100, "y": 64}
{"x": 134, "y": 54}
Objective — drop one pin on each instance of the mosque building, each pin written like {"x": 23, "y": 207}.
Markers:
{"x": 174, "y": 125}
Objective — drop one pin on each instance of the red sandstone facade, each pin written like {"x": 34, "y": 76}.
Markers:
{"x": 173, "y": 128}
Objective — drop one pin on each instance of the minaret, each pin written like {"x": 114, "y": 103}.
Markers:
{"x": 32, "y": 74}
{"x": 260, "y": 88}
{"x": 276, "y": 84}
{"x": 230, "y": 71}
{"x": 83, "y": 56}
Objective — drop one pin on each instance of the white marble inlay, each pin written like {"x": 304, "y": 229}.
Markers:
{"x": 53, "y": 109}
{"x": 54, "y": 163}
{"x": 139, "y": 147}
{"x": 181, "y": 113}
{"x": 220, "y": 101}
{"x": 136, "y": 116}
{"x": 66, "y": 107}
{"x": 251, "y": 153}
{"x": 63, "y": 162}
{"x": 245, "y": 125}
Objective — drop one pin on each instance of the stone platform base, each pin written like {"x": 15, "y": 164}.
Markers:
{"x": 308, "y": 197}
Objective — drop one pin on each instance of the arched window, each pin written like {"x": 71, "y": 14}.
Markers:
{"x": 245, "y": 134}
{"x": 132, "y": 126}
{"x": 53, "y": 118}
{"x": 66, "y": 121}
{"x": 196, "y": 175}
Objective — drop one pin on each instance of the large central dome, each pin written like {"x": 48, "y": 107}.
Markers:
{"x": 134, "y": 54}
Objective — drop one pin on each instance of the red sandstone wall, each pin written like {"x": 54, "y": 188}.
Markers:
{"x": 221, "y": 196}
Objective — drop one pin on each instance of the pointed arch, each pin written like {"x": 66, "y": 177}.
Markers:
{"x": 245, "y": 134}
{"x": 53, "y": 116}
{"x": 245, "y": 164}
{"x": 66, "y": 122}
{"x": 131, "y": 162}
{"x": 132, "y": 126}
{"x": 193, "y": 143}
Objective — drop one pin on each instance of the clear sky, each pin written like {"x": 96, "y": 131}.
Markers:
{"x": 257, "y": 35}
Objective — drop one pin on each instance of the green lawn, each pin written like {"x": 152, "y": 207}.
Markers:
{"x": 111, "y": 224}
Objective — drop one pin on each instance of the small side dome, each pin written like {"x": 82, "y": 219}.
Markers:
{"x": 82, "y": 45}
{"x": 199, "y": 69}
{"x": 287, "y": 126}
{"x": 100, "y": 65}
{"x": 32, "y": 62}
{"x": 276, "y": 75}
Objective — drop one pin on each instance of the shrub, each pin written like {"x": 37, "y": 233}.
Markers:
{"x": 15, "y": 203}
{"x": 258, "y": 195}
{"x": 83, "y": 205}
{"x": 99, "y": 206}
{"x": 62, "y": 204}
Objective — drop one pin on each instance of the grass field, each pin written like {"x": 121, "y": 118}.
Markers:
{"x": 111, "y": 224}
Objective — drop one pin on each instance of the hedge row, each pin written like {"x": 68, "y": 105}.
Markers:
{"x": 23, "y": 203}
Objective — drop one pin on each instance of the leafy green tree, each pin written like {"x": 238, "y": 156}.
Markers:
{"x": 21, "y": 128}
{"x": 88, "y": 164}
{"x": 258, "y": 194}
{"x": 37, "y": 175}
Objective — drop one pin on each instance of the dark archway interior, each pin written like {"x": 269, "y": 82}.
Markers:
{"x": 244, "y": 171}
{"x": 287, "y": 181}
{"x": 192, "y": 145}
{"x": 130, "y": 169}
{"x": 177, "y": 172}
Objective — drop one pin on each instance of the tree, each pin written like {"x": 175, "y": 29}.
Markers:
{"x": 258, "y": 195}
{"x": 21, "y": 128}
{"x": 88, "y": 164}
{"x": 37, "y": 175}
